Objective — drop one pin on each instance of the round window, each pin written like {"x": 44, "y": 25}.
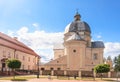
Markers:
{"x": 74, "y": 50}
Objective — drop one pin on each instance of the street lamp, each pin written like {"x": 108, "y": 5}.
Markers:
{"x": 38, "y": 68}
{"x": 93, "y": 74}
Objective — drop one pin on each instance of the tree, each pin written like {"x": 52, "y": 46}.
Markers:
{"x": 102, "y": 68}
{"x": 13, "y": 64}
{"x": 109, "y": 58}
{"x": 117, "y": 65}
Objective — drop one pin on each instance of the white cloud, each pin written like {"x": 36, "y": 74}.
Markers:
{"x": 35, "y": 25}
{"x": 99, "y": 36}
{"x": 112, "y": 49}
{"x": 46, "y": 55}
{"x": 23, "y": 30}
{"x": 40, "y": 41}
{"x": 10, "y": 33}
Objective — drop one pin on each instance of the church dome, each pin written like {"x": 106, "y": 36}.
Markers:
{"x": 77, "y": 25}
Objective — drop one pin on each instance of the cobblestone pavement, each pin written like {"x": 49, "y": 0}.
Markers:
{"x": 54, "y": 80}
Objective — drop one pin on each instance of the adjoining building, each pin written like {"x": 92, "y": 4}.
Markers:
{"x": 11, "y": 48}
{"x": 78, "y": 54}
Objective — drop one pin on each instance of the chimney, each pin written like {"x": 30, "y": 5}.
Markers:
{"x": 15, "y": 38}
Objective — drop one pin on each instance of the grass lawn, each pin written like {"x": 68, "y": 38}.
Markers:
{"x": 85, "y": 79}
{"x": 19, "y": 78}
{"x": 27, "y": 77}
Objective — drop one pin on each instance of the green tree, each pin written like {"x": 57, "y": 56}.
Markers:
{"x": 102, "y": 68}
{"x": 117, "y": 65}
{"x": 13, "y": 64}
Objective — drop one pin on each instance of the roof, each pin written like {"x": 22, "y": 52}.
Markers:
{"x": 77, "y": 25}
{"x": 59, "y": 61}
{"x": 7, "y": 41}
{"x": 98, "y": 44}
{"x": 75, "y": 36}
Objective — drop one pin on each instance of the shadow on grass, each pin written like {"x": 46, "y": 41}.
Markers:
{"x": 18, "y": 79}
{"x": 108, "y": 80}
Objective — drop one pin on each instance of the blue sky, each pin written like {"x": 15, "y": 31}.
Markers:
{"x": 49, "y": 17}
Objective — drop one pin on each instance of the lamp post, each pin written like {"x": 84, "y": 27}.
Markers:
{"x": 38, "y": 67}
{"x": 93, "y": 74}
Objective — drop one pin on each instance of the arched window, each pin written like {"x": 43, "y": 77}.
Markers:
{"x": 95, "y": 56}
{"x": 57, "y": 61}
{"x": 51, "y": 68}
{"x": 42, "y": 68}
{"x": 58, "y": 68}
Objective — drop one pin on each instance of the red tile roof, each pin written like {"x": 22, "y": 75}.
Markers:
{"x": 7, "y": 41}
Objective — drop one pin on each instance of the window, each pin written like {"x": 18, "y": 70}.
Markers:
{"x": 3, "y": 65}
{"x": 22, "y": 66}
{"x": 28, "y": 67}
{"x": 42, "y": 68}
{"x": 58, "y": 68}
{"x": 28, "y": 58}
{"x": 57, "y": 61}
{"x": 51, "y": 68}
{"x": 16, "y": 56}
{"x": 33, "y": 60}
{"x": 9, "y": 55}
{"x": 59, "y": 56}
{"x": 95, "y": 56}
{"x": 4, "y": 54}
{"x": 74, "y": 51}
{"x": 23, "y": 57}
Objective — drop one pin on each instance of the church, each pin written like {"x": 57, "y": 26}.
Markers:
{"x": 78, "y": 54}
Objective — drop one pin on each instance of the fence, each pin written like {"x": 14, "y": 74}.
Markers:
{"x": 112, "y": 74}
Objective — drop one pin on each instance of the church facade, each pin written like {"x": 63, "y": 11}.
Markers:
{"x": 78, "y": 53}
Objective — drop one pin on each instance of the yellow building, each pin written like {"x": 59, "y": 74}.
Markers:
{"x": 78, "y": 54}
{"x": 12, "y": 48}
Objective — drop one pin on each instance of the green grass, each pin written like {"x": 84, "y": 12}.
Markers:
{"x": 84, "y": 79}
{"x": 105, "y": 79}
{"x": 27, "y": 77}
{"x": 98, "y": 79}
{"x": 19, "y": 78}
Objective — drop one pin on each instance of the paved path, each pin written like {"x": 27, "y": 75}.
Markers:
{"x": 54, "y": 80}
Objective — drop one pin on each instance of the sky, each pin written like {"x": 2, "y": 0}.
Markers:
{"x": 40, "y": 24}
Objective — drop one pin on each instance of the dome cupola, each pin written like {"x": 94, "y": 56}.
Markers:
{"x": 78, "y": 30}
{"x": 77, "y": 16}
{"x": 77, "y": 25}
